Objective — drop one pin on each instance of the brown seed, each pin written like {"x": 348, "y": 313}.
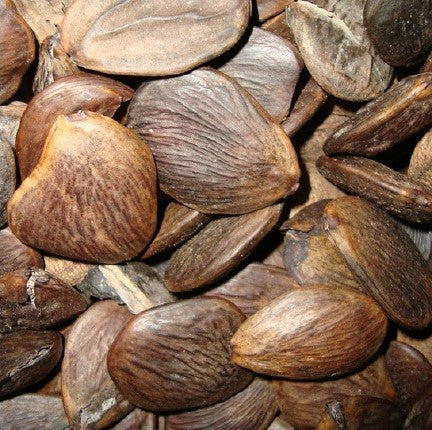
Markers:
{"x": 309, "y": 255}
{"x": 278, "y": 25}
{"x": 138, "y": 419}
{"x": 143, "y": 39}
{"x": 255, "y": 287}
{"x": 33, "y": 299}
{"x": 310, "y": 99}
{"x": 7, "y": 177}
{"x": 177, "y": 356}
{"x": 53, "y": 64}
{"x": 392, "y": 117}
{"x": 400, "y": 30}
{"x": 65, "y": 96}
{"x": 43, "y": 16}
{"x": 336, "y": 49}
{"x": 251, "y": 409}
{"x": 311, "y": 332}
{"x": 267, "y": 67}
{"x": 361, "y": 412}
{"x": 302, "y": 403}
{"x": 10, "y": 117}
{"x": 73, "y": 204}
{"x": 223, "y": 156}
{"x": 69, "y": 271}
{"x": 420, "y": 164}
{"x": 179, "y": 223}
{"x": 15, "y": 255}
{"x": 90, "y": 397}
{"x": 392, "y": 191}
{"x": 410, "y": 371}
{"x": 420, "y": 416}
{"x": 17, "y": 49}
{"x": 269, "y": 8}
{"x": 135, "y": 284}
{"x": 380, "y": 253}
{"x": 26, "y": 357}
{"x": 33, "y": 412}
{"x": 218, "y": 249}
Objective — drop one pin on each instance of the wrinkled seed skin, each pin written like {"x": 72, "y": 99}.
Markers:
{"x": 384, "y": 258}
{"x": 225, "y": 155}
{"x": 64, "y": 96}
{"x": 392, "y": 117}
{"x": 177, "y": 356}
{"x": 311, "y": 333}
{"x": 101, "y": 209}
{"x": 7, "y": 177}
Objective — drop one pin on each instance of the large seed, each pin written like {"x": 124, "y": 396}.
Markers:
{"x": 382, "y": 255}
{"x": 311, "y": 332}
{"x": 216, "y": 149}
{"x": 177, "y": 356}
{"x": 92, "y": 196}
{"x": 151, "y": 38}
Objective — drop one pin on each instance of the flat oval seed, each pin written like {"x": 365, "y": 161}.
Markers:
{"x": 177, "y": 356}
{"x": 216, "y": 149}
{"x": 311, "y": 332}
{"x": 392, "y": 117}
{"x": 381, "y": 254}
{"x": 396, "y": 193}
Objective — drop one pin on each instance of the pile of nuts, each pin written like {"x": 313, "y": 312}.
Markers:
{"x": 215, "y": 214}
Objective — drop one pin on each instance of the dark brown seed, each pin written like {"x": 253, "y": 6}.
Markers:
{"x": 392, "y": 117}
{"x": 302, "y": 403}
{"x": 420, "y": 165}
{"x": 17, "y": 49}
{"x": 310, "y": 99}
{"x": 135, "y": 284}
{"x": 361, "y": 413}
{"x": 422, "y": 341}
{"x": 53, "y": 64}
{"x": 99, "y": 209}
{"x": 15, "y": 255}
{"x": 420, "y": 416}
{"x": 251, "y": 409}
{"x": 254, "y": 287}
{"x": 65, "y": 96}
{"x": 309, "y": 256}
{"x": 336, "y": 49}
{"x": 268, "y": 67}
{"x": 311, "y": 332}
{"x": 26, "y": 357}
{"x": 278, "y": 25}
{"x": 218, "y": 249}
{"x": 224, "y": 155}
{"x": 422, "y": 238}
{"x": 10, "y": 117}
{"x": 400, "y": 30}
{"x": 410, "y": 372}
{"x": 268, "y": 8}
{"x": 396, "y": 193}
{"x": 427, "y": 66}
{"x": 33, "y": 299}
{"x": 143, "y": 39}
{"x": 90, "y": 398}
{"x": 33, "y": 412}
{"x": 177, "y": 356}
{"x": 179, "y": 223}
{"x": 381, "y": 254}
{"x": 43, "y": 16}
{"x": 7, "y": 177}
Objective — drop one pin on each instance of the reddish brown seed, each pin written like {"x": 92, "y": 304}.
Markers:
{"x": 15, "y": 255}
{"x": 17, "y": 49}
{"x": 135, "y": 38}
{"x": 383, "y": 256}
{"x": 177, "y": 356}
{"x": 311, "y": 332}
{"x": 65, "y": 96}
{"x": 76, "y": 205}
